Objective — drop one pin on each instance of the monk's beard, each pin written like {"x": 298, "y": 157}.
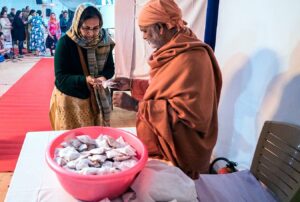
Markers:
{"x": 156, "y": 43}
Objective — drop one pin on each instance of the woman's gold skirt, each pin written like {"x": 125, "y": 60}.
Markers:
{"x": 67, "y": 112}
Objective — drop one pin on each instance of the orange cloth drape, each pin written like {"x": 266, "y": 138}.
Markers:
{"x": 177, "y": 117}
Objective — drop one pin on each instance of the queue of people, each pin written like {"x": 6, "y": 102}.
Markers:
{"x": 176, "y": 108}
{"x": 28, "y": 26}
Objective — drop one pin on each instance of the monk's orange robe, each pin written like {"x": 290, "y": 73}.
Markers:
{"x": 177, "y": 117}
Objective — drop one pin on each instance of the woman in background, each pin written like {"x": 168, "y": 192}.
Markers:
{"x": 19, "y": 34}
{"x": 64, "y": 23}
{"x": 32, "y": 13}
{"x": 37, "y": 42}
{"x": 6, "y": 27}
{"x": 53, "y": 33}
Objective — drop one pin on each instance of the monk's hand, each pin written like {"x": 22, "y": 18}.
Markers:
{"x": 121, "y": 83}
{"x": 125, "y": 101}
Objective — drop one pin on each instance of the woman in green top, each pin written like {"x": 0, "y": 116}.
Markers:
{"x": 83, "y": 59}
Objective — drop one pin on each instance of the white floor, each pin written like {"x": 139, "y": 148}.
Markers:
{"x": 10, "y": 72}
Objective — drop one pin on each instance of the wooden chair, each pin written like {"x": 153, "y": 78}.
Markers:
{"x": 274, "y": 174}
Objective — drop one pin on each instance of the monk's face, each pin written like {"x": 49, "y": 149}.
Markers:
{"x": 153, "y": 35}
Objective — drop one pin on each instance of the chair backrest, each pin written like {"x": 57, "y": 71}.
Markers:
{"x": 276, "y": 162}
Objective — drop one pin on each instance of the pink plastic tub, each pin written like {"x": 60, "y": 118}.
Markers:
{"x": 96, "y": 187}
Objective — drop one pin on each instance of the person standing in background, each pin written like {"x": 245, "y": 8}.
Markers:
{"x": 70, "y": 16}
{"x": 60, "y": 15}
{"x": 19, "y": 34}
{"x": 25, "y": 15}
{"x": 6, "y": 27}
{"x": 4, "y": 8}
{"x": 27, "y": 10}
{"x": 37, "y": 42}
{"x": 64, "y": 23}
{"x": 53, "y": 33}
{"x": 11, "y": 15}
{"x": 32, "y": 13}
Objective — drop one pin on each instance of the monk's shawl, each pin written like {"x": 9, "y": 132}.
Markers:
{"x": 177, "y": 118}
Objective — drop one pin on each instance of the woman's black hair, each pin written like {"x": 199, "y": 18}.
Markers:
{"x": 1, "y": 33}
{"x": 39, "y": 12}
{"x": 31, "y": 12}
{"x": 4, "y": 8}
{"x": 2, "y": 13}
{"x": 18, "y": 13}
{"x": 88, "y": 13}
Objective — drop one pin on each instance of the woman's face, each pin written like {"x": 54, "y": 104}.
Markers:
{"x": 90, "y": 28}
{"x": 5, "y": 14}
{"x": 53, "y": 16}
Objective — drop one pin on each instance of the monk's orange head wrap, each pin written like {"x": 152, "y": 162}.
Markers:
{"x": 163, "y": 11}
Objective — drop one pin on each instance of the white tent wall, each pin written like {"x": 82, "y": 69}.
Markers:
{"x": 132, "y": 52}
{"x": 258, "y": 49}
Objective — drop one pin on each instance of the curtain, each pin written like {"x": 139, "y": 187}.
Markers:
{"x": 132, "y": 52}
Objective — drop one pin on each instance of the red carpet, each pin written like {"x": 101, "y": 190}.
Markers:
{"x": 23, "y": 108}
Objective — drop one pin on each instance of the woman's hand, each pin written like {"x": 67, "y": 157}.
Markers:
{"x": 98, "y": 81}
{"x": 90, "y": 80}
{"x": 125, "y": 101}
{"x": 95, "y": 82}
{"x": 101, "y": 78}
{"x": 122, "y": 83}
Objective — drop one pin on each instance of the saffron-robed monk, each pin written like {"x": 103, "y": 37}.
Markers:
{"x": 177, "y": 108}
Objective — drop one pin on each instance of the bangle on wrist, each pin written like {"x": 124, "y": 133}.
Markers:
{"x": 130, "y": 84}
